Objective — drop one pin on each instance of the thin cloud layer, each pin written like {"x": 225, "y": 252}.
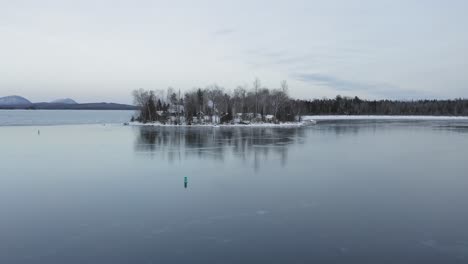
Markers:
{"x": 223, "y": 32}
{"x": 381, "y": 90}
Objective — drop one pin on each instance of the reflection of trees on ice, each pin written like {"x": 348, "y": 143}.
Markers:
{"x": 248, "y": 144}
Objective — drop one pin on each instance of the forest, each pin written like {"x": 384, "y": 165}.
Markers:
{"x": 214, "y": 104}
{"x": 356, "y": 106}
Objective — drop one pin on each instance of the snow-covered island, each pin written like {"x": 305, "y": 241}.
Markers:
{"x": 215, "y": 107}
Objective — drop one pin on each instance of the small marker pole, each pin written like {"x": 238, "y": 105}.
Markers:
{"x": 185, "y": 182}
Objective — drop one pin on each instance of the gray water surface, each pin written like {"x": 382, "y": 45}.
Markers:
{"x": 338, "y": 192}
{"x": 63, "y": 117}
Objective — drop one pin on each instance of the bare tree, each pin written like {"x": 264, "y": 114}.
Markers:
{"x": 145, "y": 100}
{"x": 264, "y": 101}
{"x": 256, "y": 87}
{"x": 170, "y": 94}
{"x": 284, "y": 86}
{"x": 239, "y": 96}
{"x": 215, "y": 95}
{"x": 140, "y": 97}
{"x": 280, "y": 98}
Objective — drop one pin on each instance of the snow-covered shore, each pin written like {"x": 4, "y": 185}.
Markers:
{"x": 311, "y": 120}
{"x": 287, "y": 124}
{"x": 380, "y": 117}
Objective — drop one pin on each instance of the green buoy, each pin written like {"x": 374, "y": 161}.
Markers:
{"x": 185, "y": 182}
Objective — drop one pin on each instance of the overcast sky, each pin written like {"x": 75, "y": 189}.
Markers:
{"x": 102, "y": 50}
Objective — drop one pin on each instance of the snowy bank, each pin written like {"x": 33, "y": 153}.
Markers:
{"x": 310, "y": 120}
{"x": 287, "y": 124}
{"x": 380, "y": 117}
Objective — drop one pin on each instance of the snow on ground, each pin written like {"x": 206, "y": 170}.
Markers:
{"x": 292, "y": 124}
{"x": 312, "y": 118}
{"x": 381, "y": 117}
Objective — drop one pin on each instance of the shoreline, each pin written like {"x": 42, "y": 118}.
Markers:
{"x": 310, "y": 120}
{"x": 289, "y": 124}
{"x": 381, "y": 117}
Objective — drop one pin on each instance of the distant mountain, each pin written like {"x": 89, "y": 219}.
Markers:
{"x": 64, "y": 101}
{"x": 14, "y": 100}
{"x": 18, "y": 102}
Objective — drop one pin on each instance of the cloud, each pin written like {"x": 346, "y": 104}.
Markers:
{"x": 263, "y": 52}
{"x": 383, "y": 90}
{"x": 224, "y": 32}
{"x": 295, "y": 63}
{"x": 335, "y": 82}
{"x": 264, "y": 58}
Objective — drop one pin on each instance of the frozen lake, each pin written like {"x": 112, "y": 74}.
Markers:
{"x": 356, "y": 191}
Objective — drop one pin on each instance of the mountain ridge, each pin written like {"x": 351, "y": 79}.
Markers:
{"x": 14, "y": 100}
{"x": 64, "y": 101}
{"x": 19, "y": 102}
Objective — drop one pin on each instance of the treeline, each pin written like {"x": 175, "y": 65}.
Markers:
{"x": 356, "y": 106}
{"x": 214, "y": 104}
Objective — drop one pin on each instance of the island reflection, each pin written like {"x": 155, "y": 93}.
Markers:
{"x": 246, "y": 143}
